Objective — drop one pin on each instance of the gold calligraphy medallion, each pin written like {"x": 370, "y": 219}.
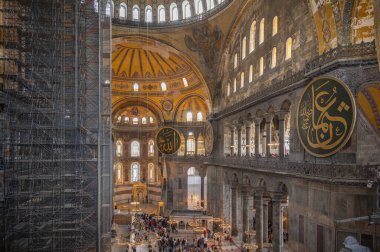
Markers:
{"x": 326, "y": 116}
{"x": 168, "y": 140}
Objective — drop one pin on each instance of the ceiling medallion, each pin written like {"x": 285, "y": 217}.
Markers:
{"x": 167, "y": 105}
{"x": 326, "y": 116}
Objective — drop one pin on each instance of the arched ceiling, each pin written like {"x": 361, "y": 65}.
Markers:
{"x": 137, "y": 59}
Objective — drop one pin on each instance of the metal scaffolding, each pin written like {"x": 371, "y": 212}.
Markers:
{"x": 55, "y": 105}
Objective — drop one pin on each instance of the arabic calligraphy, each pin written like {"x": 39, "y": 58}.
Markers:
{"x": 325, "y": 117}
{"x": 168, "y": 141}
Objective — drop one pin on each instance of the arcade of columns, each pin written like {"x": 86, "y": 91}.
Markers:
{"x": 267, "y": 138}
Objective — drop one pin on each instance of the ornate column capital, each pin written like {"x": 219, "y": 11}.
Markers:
{"x": 282, "y": 114}
{"x": 258, "y": 120}
{"x": 268, "y": 118}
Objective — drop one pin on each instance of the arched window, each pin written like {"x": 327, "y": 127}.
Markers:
{"x": 151, "y": 120}
{"x": 250, "y": 73}
{"x": 288, "y": 51}
{"x": 191, "y": 171}
{"x": 163, "y": 86}
{"x": 135, "y": 12}
{"x": 199, "y": 117}
{"x": 252, "y": 34}
{"x": 148, "y": 14}
{"x": 136, "y": 87}
{"x": 194, "y": 190}
{"x": 189, "y": 116}
{"x": 198, "y": 6}
{"x": 186, "y": 9}
{"x": 96, "y": 6}
{"x": 151, "y": 173}
{"x": 242, "y": 80}
{"x": 262, "y": 31}
{"x": 235, "y": 85}
{"x": 210, "y": 4}
{"x": 126, "y": 120}
{"x": 275, "y": 26}
{"x": 119, "y": 173}
{"x": 185, "y": 83}
{"x": 235, "y": 61}
{"x": 228, "y": 89}
{"x": 135, "y": 120}
{"x": 119, "y": 147}
{"x": 201, "y": 145}
{"x": 119, "y": 119}
{"x": 190, "y": 144}
{"x": 135, "y": 149}
{"x": 151, "y": 148}
{"x": 173, "y": 12}
{"x": 261, "y": 66}
{"x": 109, "y": 9}
{"x": 143, "y": 120}
{"x": 135, "y": 172}
{"x": 161, "y": 14}
{"x": 274, "y": 57}
{"x": 123, "y": 11}
{"x": 244, "y": 48}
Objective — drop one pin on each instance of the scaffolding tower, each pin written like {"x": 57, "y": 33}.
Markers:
{"x": 55, "y": 107}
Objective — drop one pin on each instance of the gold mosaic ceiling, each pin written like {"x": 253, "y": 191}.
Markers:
{"x": 149, "y": 63}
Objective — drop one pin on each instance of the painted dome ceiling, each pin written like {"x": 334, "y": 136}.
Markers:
{"x": 150, "y": 64}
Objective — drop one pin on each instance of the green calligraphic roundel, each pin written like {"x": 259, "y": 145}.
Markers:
{"x": 326, "y": 116}
{"x": 168, "y": 141}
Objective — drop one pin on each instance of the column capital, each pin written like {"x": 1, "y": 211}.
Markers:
{"x": 277, "y": 196}
{"x": 282, "y": 114}
{"x": 258, "y": 120}
{"x": 268, "y": 118}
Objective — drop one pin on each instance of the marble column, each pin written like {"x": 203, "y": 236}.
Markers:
{"x": 277, "y": 223}
{"x": 281, "y": 146}
{"x": 245, "y": 211}
{"x": 248, "y": 141}
{"x": 268, "y": 138}
{"x": 196, "y": 144}
{"x": 186, "y": 137}
{"x": 232, "y": 141}
{"x": 265, "y": 219}
{"x": 202, "y": 190}
{"x": 259, "y": 218}
{"x": 233, "y": 210}
{"x": 239, "y": 141}
{"x": 257, "y": 136}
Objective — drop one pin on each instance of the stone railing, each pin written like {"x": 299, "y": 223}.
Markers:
{"x": 180, "y": 22}
{"x": 361, "y": 50}
{"x": 347, "y": 173}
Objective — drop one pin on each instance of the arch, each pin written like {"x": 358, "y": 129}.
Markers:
{"x": 136, "y": 87}
{"x": 288, "y": 48}
{"x": 235, "y": 85}
{"x": 261, "y": 66}
{"x": 190, "y": 144}
{"x": 242, "y": 80}
{"x": 135, "y": 172}
{"x": 135, "y": 13}
{"x": 228, "y": 89}
{"x": 163, "y": 86}
{"x": 261, "y": 183}
{"x": 250, "y": 73}
{"x": 235, "y": 60}
{"x": 186, "y": 10}
{"x": 135, "y": 148}
{"x": 201, "y": 145}
{"x": 151, "y": 148}
{"x": 119, "y": 148}
{"x": 161, "y": 14}
{"x": 244, "y": 48}
{"x": 151, "y": 173}
{"x": 198, "y": 6}
{"x": 274, "y": 57}
{"x": 193, "y": 189}
{"x": 246, "y": 180}
{"x": 123, "y": 10}
{"x": 199, "y": 116}
{"x": 192, "y": 171}
{"x": 275, "y": 26}
{"x": 173, "y": 12}
{"x": 262, "y": 31}
{"x": 252, "y": 34}
{"x": 109, "y": 8}
{"x": 193, "y": 103}
{"x": 118, "y": 173}
{"x": 148, "y": 14}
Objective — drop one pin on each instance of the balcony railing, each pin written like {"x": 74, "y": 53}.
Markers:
{"x": 345, "y": 173}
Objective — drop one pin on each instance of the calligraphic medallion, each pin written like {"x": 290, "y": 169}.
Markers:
{"x": 168, "y": 140}
{"x": 326, "y": 116}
